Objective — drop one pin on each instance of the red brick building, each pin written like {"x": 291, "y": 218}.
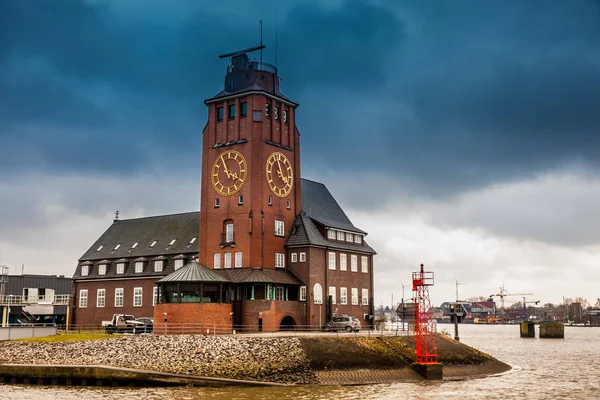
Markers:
{"x": 274, "y": 250}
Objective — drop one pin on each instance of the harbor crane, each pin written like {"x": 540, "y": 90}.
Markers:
{"x": 502, "y": 293}
{"x": 536, "y": 302}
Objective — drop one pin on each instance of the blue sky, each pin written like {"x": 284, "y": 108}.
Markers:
{"x": 464, "y": 134}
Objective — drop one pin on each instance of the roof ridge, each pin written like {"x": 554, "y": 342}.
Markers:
{"x": 157, "y": 216}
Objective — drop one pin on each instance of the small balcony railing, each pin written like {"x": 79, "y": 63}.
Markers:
{"x": 227, "y": 241}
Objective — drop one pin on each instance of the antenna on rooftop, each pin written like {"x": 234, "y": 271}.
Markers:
{"x": 116, "y": 216}
{"x": 261, "y": 44}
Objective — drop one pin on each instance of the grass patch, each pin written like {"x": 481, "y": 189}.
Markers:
{"x": 75, "y": 337}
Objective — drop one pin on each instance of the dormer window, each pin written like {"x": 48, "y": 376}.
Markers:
{"x": 349, "y": 237}
{"x": 153, "y": 243}
{"x": 102, "y": 269}
{"x": 340, "y": 235}
{"x": 85, "y": 270}
{"x": 358, "y": 239}
{"x": 330, "y": 234}
{"x": 172, "y": 242}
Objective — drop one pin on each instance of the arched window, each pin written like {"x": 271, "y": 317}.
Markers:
{"x": 318, "y": 293}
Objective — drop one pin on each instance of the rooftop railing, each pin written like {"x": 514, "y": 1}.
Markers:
{"x": 54, "y": 300}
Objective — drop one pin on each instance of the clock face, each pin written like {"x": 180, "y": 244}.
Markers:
{"x": 280, "y": 175}
{"x": 229, "y": 172}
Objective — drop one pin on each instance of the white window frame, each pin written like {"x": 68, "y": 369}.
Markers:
{"x": 154, "y": 295}
{"x": 85, "y": 270}
{"x": 353, "y": 263}
{"x": 178, "y": 264}
{"x": 349, "y": 237}
{"x": 302, "y": 257}
{"x": 279, "y": 260}
{"x": 364, "y": 264}
{"x": 229, "y": 232}
{"x": 354, "y": 296}
{"x": 120, "y": 268}
{"x": 119, "y": 297}
{"x": 294, "y": 257}
{"x": 279, "y": 228}
{"x": 318, "y": 293}
{"x": 279, "y": 293}
{"x": 138, "y": 295}
{"x": 332, "y": 294}
{"x": 357, "y": 238}
{"x": 100, "y": 298}
{"x": 237, "y": 259}
{"x": 159, "y": 265}
{"x": 83, "y": 298}
{"x": 365, "y": 297}
{"x": 330, "y": 234}
{"x": 217, "y": 261}
{"x": 340, "y": 235}
{"x": 331, "y": 260}
{"x": 343, "y": 296}
{"x": 102, "y": 269}
{"x": 343, "y": 262}
{"x": 302, "y": 293}
{"x": 139, "y": 267}
{"x": 227, "y": 260}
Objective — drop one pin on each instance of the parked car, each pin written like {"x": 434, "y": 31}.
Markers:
{"x": 343, "y": 322}
{"x": 148, "y": 324}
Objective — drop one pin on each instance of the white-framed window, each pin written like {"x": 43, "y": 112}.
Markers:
{"x": 354, "y": 296}
{"x": 340, "y": 235}
{"x": 343, "y": 262}
{"x": 178, "y": 263}
{"x": 279, "y": 260}
{"x": 154, "y": 295}
{"x": 139, "y": 267}
{"x": 85, "y": 270}
{"x": 120, "y": 268}
{"x": 302, "y": 293}
{"x": 343, "y": 295}
{"x": 354, "y": 263}
{"x": 159, "y": 265}
{"x": 100, "y": 298}
{"x": 349, "y": 237}
{"x": 137, "y": 297}
{"x": 279, "y": 228}
{"x": 229, "y": 233}
{"x": 294, "y": 257}
{"x": 330, "y": 234}
{"x": 83, "y": 298}
{"x": 365, "y": 297}
{"x": 364, "y": 264}
{"x": 217, "y": 261}
{"x": 102, "y": 269}
{"x": 238, "y": 259}
{"x": 279, "y": 293}
{"x": 357, "y": 239}
{"x": 227, "y": 260}
{"x": 302, "y": 257}
{"x": 331, "y": 260}
{"x": 332, "y": 294}
{"x": 318, "y": 293}
{"x": 119, "y": 294}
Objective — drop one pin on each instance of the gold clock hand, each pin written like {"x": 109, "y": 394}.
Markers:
{"x": 280, "y": 173}
{"x": 225, "y": 167}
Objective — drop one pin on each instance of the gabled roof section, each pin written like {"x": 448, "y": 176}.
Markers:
{"x": 260, "y": 275}
{"x": 319, "y": 205}
{"x": 144, "y": 231}
{"x": 194, "y": 272}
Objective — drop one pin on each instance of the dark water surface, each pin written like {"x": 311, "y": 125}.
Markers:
{"x": 544, "y": 369}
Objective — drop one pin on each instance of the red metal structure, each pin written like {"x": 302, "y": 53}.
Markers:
{"x": 426, "y": 349}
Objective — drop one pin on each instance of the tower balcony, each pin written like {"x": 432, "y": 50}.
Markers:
{"x": 227, "y": 240}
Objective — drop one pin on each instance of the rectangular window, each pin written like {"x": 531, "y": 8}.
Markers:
{"x": 279, "y": 293}
{"x": 365, "y": 297}
{"x": 83, "y": 298}
{"x": 343, "y": 264}
{"x": 120, "y": 268}
{"x": 302, "y": 257}
{"x": 217, "y": 261}
{"x": 238, "y": 259}
{"x": 331, "y": 262}
{"x": 228, "y": 233}
{"x": 343, "y": 295}
{"x": 102, "y": 269}
{"x": 231, "y": 111}
{"x": 294, "y": 257}
{"x": 178, "y": 264}
{"x": 332, "y": 294}
{"x": 330, "y": 234}
{"x": 219, "y": 113}
{"x": 279, "y": 260}
{"x": 357, "y": 239}
{"x": 353, "y": 263}
{"x": 227, "y": 260}
{"x": 154, "y": 295}
{"x": 217, "y": 202}
{"x": 100, "y": 298}
{"x": 139, "y": 267}
{"x": 279, "y": 229}
{"x": 256, "y": 115}
{"x": 270, "y": 201}
{"x": 267, "y": 110}
{"x": 354, "y": 296}
{"x": 243, "y": 109}
{"x": 349, "y": 237}
{"x": 240, "y": 199}
{"x": 288, "y": 204}
{"x": 302, "y": 293}
{"x": 340, "y": 235}
{"x": 158, "y": 265}
{"x": 137, "y": 297}
{"x": 364, "y": 264}
{"x": 85, "y": 270}
{"x": 119, "y": 297}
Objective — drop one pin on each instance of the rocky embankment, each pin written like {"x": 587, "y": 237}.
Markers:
{"x": 234, "y": 357}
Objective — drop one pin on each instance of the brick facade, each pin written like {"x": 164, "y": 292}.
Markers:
{"x": 206, "y": 318}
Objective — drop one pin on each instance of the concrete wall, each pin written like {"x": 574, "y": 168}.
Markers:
{"x": 24, "y": 332}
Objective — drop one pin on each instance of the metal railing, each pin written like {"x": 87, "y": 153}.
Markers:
{"x": 55, "y": 300}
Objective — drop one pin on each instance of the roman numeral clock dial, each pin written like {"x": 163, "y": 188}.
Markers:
{"x": 229, "y": 172}
{"x": 280, "y": 175}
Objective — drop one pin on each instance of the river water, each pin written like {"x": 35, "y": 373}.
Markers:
{"x": 543, "y": 369}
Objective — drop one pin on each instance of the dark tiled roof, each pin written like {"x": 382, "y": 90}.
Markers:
{"x": 194, "y": 272}
{"x": 319, "y": 205}
{"x": 256, "y": 87}
{"x": 260, "y": 275}
{"x": 144, "y": 231}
